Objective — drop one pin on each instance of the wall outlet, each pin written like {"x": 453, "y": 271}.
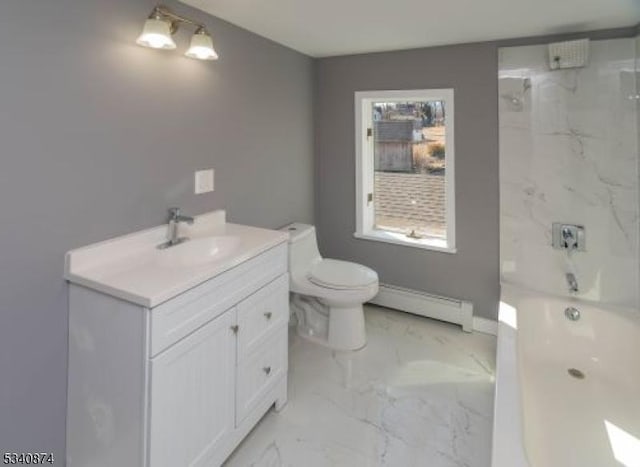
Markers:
{"x": 203, "y": 181}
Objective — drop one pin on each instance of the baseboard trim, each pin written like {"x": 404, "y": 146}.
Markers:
{"x": 437, "y": 307}
{"x": 427, "y": 305}
{"x": 484, "y": 325}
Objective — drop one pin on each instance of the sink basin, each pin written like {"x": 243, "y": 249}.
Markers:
{"x": 199, "y": 251}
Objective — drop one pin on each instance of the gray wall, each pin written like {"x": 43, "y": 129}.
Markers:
{"x": 638, "y": 93}
{"x": 99, "y": 137}
{"x": 471, "y": 70}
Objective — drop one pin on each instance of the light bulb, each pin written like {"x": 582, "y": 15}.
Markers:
{"x": 201, "y": 46}
{"x": 156, "y": 34}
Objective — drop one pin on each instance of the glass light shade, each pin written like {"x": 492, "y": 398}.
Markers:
{"x": 201, "y": 47}
{"x": 156, "y": 34}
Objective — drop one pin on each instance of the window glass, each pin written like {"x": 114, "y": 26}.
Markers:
{"x": 409, "y": 151}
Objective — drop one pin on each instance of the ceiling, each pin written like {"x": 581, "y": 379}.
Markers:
{"x": 323, "y": 28}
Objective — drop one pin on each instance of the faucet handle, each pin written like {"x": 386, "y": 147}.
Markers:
{"x": 174, "y": 213}
{"x": 567, "y": 237}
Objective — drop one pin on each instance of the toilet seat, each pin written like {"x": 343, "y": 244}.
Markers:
{"x": 341, "y": 275}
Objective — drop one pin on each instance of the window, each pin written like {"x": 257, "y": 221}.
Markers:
{"x": 405, "y": 168}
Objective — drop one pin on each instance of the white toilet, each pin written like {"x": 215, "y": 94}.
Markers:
{"x": 327, "y": 294}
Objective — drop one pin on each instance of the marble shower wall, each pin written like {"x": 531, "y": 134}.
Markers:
{"x": 569, "y": 153}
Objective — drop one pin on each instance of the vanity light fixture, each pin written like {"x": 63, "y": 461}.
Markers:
{"x": 163, "y": 23}
{"x": 156, "y": 33}
{"x": 201, "y": 46}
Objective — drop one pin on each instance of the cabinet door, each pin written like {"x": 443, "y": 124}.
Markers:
{"x": 192, "y": 396}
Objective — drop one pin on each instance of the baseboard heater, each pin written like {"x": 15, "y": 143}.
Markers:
{"x": 428, "y": 305}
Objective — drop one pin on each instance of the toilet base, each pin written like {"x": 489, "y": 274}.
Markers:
{"x": 336, "y": 327}
{"x": 346, "y": 328}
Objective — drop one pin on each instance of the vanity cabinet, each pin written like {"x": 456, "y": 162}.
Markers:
{"x": 181, "y": 383}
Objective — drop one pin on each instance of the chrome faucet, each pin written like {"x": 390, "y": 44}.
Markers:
{"x": 572, "y": 282}
{"x": 172, "y": 234}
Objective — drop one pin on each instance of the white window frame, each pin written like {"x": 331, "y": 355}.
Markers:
{"x": 365, "y": 169}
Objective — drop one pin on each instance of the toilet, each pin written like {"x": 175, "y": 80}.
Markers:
{"x": 327, "y": 294}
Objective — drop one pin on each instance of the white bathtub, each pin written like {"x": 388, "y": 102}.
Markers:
{"x": 543, "y": 416}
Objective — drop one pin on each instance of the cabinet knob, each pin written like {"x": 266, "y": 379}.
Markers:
{"x": 235, "y": 328}
{"x": 268, "y": 315}
{"x": 267, "y": 370}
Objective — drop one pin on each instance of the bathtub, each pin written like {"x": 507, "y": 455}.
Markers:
{"x": 546, "y": 417}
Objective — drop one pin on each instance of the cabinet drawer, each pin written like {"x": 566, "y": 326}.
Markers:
{"x": 261, "y": 313}
{"x": 176, "y": 318}
{"x": 260, "y": 371}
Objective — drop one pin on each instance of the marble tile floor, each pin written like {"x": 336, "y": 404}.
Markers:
{"x": 419, "y": 394}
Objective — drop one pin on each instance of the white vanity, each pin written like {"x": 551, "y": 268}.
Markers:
{"x": 175, "y": 354}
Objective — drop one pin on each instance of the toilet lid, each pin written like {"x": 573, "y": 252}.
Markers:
{"x": 335, "y": 274}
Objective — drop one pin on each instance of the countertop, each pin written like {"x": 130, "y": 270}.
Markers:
{"x": 133, "y": 269}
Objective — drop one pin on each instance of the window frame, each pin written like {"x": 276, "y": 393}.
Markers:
{"x": 365, "y": 170}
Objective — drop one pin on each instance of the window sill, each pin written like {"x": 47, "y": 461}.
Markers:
{"x": 433, "y": 244}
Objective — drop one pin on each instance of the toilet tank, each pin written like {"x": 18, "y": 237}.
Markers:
{"x": 303, "y": 247}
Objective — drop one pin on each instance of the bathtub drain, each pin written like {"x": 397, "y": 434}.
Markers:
{"x": 575, "y": 373}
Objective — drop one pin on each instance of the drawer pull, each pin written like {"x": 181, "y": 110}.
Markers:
{"x": 268, "y": 315}
{"x": 267, "y": 370}
{"x": 235, "y": 328}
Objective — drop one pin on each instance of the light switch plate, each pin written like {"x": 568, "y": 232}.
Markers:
{"x": 203, "y": 181}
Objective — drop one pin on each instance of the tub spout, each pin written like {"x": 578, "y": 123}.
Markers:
{"x": 572, "y": 282}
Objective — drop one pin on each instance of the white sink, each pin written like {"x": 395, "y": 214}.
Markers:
{"x": 133, "y": 269}
{"x": 199, "y": 251}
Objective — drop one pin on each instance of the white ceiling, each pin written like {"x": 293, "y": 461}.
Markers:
{"x": 336, "y": 27}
